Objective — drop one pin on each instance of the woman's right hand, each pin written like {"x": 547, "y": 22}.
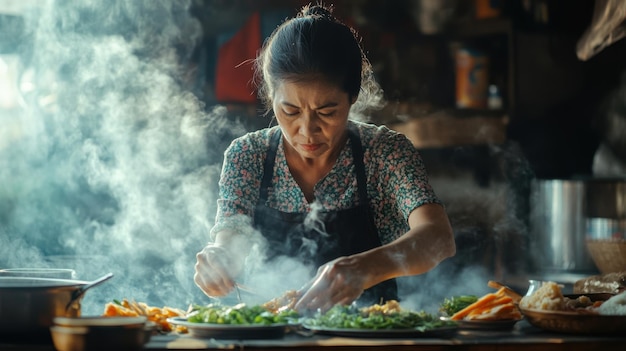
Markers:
{"x": 214, "y": 271}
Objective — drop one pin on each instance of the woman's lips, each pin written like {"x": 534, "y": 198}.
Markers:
{"x": 310, "y": 147}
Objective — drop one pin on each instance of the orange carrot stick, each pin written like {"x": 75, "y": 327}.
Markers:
{"x": 483, "y": 301}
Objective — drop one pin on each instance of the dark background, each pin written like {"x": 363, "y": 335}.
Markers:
{"x": 553, "y": 99}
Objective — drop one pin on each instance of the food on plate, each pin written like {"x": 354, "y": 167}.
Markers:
{"x": 549, "y": 309}
{"x": 612, "y": 283}
{"x": 388, "y": 308}
{"x": 507, "y": 291}
{"x": 454, "y": 304}
{"x": 492, "y": 306}
{"x": 549, "y": 297}
{"x": 501, "y": 305}
{"x": 574, "y": 314}
{"x": 285, "y": 302}
{"x": 389, "y": 315}
{"x": 240, "y": 314}
{"x": 157, "y": 315}
{"x": 616, "y": 305}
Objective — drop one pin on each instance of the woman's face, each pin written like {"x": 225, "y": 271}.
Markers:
{"x": 313, "y": 116}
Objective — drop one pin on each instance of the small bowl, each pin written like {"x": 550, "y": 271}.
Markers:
{"x": 100, "y": 333}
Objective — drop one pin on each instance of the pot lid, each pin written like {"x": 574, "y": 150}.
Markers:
{"x": 28, "y": 282}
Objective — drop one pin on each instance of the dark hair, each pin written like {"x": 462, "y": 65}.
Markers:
{"x": 315, "y": 44}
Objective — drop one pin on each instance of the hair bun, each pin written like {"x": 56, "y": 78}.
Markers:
{"x": 318, "y": 11}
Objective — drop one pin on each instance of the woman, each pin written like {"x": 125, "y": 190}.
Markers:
{"x": 378, "y": 217}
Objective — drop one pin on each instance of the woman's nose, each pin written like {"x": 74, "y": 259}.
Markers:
{"x": 309, "y": 124}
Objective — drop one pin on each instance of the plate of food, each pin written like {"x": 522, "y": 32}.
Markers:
{"x": 388, "y": 320}
{"x": 598, "y": 314}
{"x": 232, "y": 331}
{"x": 492, "y": 311}
{"x": 237, "y": 322}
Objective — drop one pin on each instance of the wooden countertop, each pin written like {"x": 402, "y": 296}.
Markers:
{"x": 522, "y": 337}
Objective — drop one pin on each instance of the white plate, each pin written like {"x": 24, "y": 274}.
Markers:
{"x": 232, "y": 331}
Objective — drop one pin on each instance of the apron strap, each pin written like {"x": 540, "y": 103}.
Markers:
{"x": 359, "y": 166}
{"x": 268, "y": 166}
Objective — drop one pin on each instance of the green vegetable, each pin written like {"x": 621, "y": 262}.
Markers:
{"x": 240, "y": 314}
{"x": 453, "y": 304}
{"x": 349, "y": 317}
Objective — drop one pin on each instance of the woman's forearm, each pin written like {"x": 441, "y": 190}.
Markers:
{"x": 429, "y": 241}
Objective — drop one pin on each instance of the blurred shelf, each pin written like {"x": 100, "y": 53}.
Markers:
{"x": 480, "y": 28}
{"x": 450, "y": 128}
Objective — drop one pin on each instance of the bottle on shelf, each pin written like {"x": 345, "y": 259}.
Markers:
{"x": 494, "y": 98}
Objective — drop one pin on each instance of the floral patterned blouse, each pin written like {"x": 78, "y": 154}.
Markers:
{"x": 397, "y": 181}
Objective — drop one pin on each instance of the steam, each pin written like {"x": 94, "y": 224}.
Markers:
{"x": 112, "y": 163}
{"x": 315, "y": 224}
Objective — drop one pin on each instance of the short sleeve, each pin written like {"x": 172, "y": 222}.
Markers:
{"x": 402, "y": 174}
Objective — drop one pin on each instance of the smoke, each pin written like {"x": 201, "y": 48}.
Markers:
{"x": 313, "y": 223}
{"x": 490, "y": 231}
{"x": 112, "y": 163}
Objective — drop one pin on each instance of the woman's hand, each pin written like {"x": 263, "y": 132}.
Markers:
{"x": 219, "y": 263}
{"x": 214, "y": 271}
{"x": 429, "y": 241}
{"x": 340, "y": 281}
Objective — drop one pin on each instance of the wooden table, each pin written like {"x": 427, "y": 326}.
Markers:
{"x": 522, "y": 337}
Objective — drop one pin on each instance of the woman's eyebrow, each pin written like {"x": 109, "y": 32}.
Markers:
{"x": 327, "y": 105}
{"x": 288, "y": 104}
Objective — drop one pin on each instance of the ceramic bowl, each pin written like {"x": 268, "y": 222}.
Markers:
{"x": 100, "y": 333}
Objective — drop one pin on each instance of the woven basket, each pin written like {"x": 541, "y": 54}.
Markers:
{"x": 608, "y": 255}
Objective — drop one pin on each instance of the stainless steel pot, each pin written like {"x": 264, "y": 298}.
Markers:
{"x": 564, "y": 213}
{"x": 558, "y": 228}
{"x": 29, "y": 305}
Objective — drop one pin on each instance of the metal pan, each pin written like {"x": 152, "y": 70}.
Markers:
{"x": 29, "y": 305}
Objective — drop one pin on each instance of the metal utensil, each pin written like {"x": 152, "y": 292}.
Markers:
{"x": 80, "y": 291}
{"x": 238, "y": 293}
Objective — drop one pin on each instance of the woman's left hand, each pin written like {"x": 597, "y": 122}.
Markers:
{"x": 340, "y": 281}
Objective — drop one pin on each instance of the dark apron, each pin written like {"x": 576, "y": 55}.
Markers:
{"x": 331, "y": 235}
